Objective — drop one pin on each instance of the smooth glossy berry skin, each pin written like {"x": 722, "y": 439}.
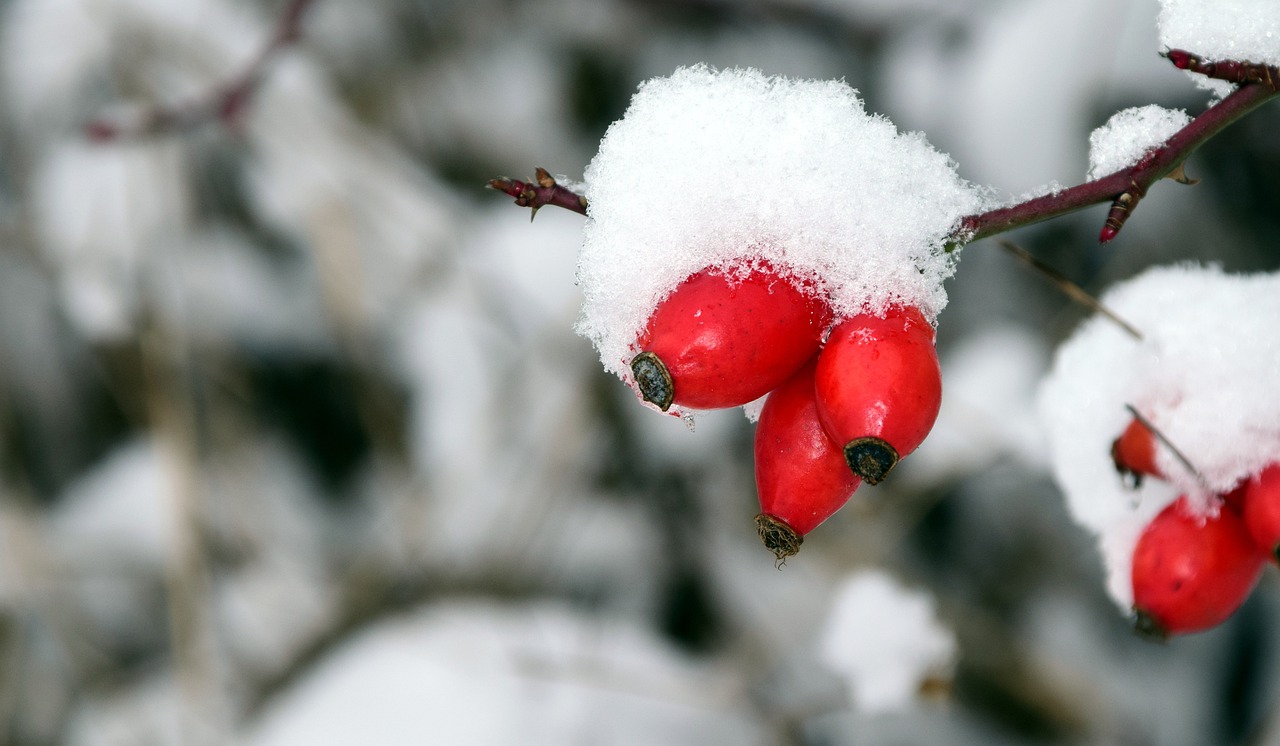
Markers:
{"x": 725, "y": 340}
{"x": 1260, "y": 501}
{"x": 879, "y": 387}
{"x": 1191, "y": 572}
{"x": 801, "y": 476}
{"x": 1134, "y": 452}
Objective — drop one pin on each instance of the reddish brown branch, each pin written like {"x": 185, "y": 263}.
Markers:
{"x": 226, "y": 103}
{"x": 1231, "y": 71}
{"x": 539, "y": 193}
{"x": 1126, "y": 187}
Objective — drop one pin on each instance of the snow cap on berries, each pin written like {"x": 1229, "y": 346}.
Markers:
{"x": 1130, "y": 134}
{"x": 1204, "y": 374}
{"x": 1215, "y": 30}
{"x": 730, "y": 168}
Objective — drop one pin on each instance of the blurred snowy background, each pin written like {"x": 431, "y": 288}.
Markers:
{"x": 297, "y": 445}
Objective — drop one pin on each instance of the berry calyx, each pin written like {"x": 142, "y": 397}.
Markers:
{"x": 801, "y": 476}
{"x": 1190, "y": 571}
{"x": 1260, "y": 499}
{"x": 723, "y": 339}
{"x": 879, "y": 388}
{"x": 1134, "y": 453}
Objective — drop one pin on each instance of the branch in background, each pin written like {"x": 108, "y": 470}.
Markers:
{"x": 1126, "y": 187}
{"x": 226, "y": 103}
{"x": 541, "y": 192}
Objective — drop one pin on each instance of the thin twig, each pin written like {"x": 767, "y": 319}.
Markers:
{"x": 226, "y": 103}
{"x": 1070, "y": 289}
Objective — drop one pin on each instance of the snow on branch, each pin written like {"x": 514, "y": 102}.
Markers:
{"x": 1123, "y": 188}
{"x": 225, "y": 103}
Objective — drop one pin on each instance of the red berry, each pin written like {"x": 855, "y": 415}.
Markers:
{"x": 1191, "y": 572}
{"x": 801, "y": 475}
{"x": 879, "y": 388}
{"x": 1134, "y": 452}
{"x": 722, "y": 340}
{"x": 1261, "y": 504}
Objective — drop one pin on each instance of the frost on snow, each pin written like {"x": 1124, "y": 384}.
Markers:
{"x": 719, "y": 168}
{"x": 1245, "y": 30}
{"x": 885, "y": 640}
{"x": 1204, "y": 374}
{"x": 1130, "y": 134}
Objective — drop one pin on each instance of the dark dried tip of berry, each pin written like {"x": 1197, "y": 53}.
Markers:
{"x": 1148, "y": 628}
{"x": 1275, "y": 554}
{"x": 653, "y": 379}
{"x": 778, "y": 537}
{"x": 870, "y": 458}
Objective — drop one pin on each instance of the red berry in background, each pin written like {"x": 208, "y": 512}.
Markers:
{"x": 722, "y": 340}
{"x": 1134, "y": 452}
{"x": 1260, "y": 500}
{"x": 801, "y": 476}
{"x": 879, "y": 388}
{"x": 1191, "y": 572}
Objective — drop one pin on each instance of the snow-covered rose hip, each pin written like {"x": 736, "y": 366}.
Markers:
{"x": 879, "y": 388}
{"x": 1191, "y": 571}
{"x": 801, "y": 476}
{"x": 726, "y": 338}
{"x": 1260, "y": 498}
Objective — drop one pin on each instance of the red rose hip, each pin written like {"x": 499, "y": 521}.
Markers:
{"x": 801, "y": 476}
{"x": 878, "y": 388}
{"x": 725, "y": 340}
{"x": 1260, "y": 498}
{"x": 1191, "y": 572}
{"x": 1134, "y": 452}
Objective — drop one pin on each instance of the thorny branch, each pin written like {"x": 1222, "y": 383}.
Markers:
{"x": 541, "y": 192}
{"x": 1126, "y": 187}
{"x": 1258, "y": 84}
{"x": 225, "y": 103}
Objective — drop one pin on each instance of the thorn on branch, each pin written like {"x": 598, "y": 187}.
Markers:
{"x": 542, "y": 191}
{"x": 1231, "y": 71}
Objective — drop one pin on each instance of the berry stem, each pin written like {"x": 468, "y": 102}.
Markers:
{"x": 226, "y": 102}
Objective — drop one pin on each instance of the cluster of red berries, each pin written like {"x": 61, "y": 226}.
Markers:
{"x": 1192, "y": 569}
{"x": 839, "y": 412}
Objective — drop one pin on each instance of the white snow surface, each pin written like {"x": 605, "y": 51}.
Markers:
{"x": 722, "y": 168}
{"x": 1205, "y": 374}
{"x": 470, "y": 672}
{"x": 885, "y": 640}
{"x": 1130, "y": 134}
